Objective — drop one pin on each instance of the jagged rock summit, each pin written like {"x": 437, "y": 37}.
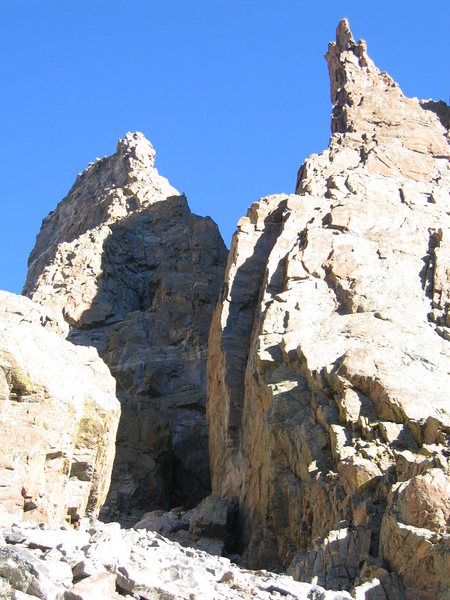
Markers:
{"x": 328, "y": 357}
{"x": 134, "y": 273}
{"x": 108, "y": 191}
{"x": 399, "y": 136}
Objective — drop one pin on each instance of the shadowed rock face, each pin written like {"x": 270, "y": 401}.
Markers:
{"x": 59, "y": 417}
{"x": 136, "y": 274}
{"x": 329, "y": 350}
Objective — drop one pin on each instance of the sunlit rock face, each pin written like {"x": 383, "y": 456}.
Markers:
{"x": 59, "y": 418}
{"x": 329, "y": 350}
{"x": 134, "y": 273}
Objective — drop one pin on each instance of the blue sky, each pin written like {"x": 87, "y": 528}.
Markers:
{"x": 234, "y": 95}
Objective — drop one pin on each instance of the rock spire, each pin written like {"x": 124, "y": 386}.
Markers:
{"x": 134, "y": 273}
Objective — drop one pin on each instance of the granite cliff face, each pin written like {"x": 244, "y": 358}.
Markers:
{"x": 328, "y": 358}
{"x": 59, "y": 418}
{"x": 134, "y": 273}
{"x": 328, "y": 374}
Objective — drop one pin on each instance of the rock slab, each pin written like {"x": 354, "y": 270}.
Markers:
{"x": 59, "y": 417}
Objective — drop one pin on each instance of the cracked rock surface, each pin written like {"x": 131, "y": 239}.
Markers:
{"x": 329, "y": 354}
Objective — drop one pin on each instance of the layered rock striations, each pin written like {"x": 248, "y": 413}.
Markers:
{"x": 134, "y": 273}
{"x": 328, "y": 359}
{"x": 59, "y": 418}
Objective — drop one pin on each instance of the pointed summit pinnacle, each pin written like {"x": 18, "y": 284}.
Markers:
{"x": 353, "y": 77}
{"x": 137, "y": 146}
{"x": 344, "y": 57}
{"x": 344, "y": 37}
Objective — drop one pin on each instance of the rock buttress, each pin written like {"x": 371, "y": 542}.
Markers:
{"x": 329, "y": 350}
{"x": 134, "y": 273}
